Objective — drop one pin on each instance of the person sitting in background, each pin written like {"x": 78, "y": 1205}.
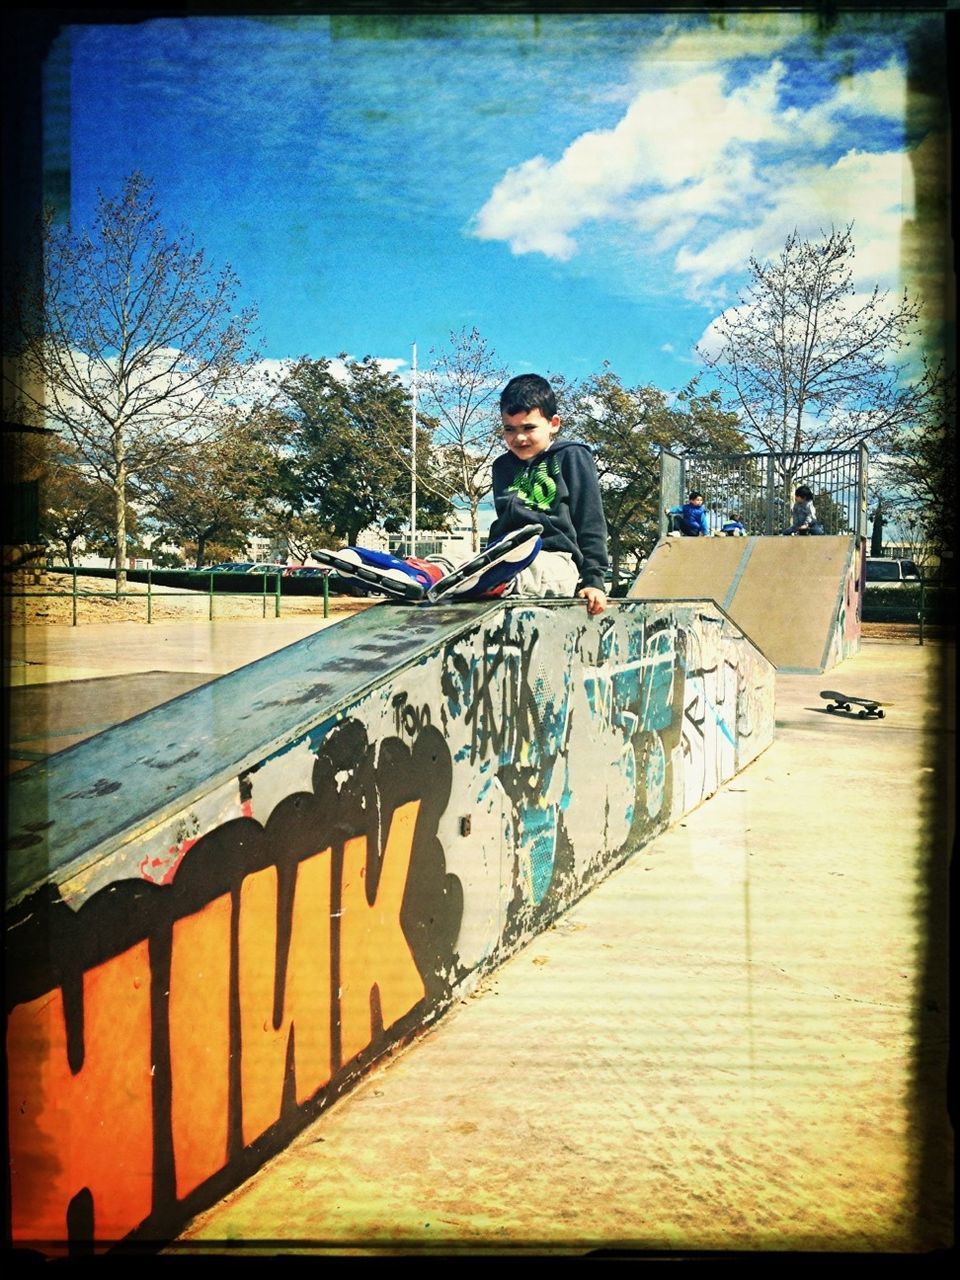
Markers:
{"x": 690, "y": 520}
{"x": 734, "y": 527}
{"x": 803, "y": 514}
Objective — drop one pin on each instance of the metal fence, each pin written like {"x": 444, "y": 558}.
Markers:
{"x": 759, "y": 487}
{"x": 269, "y": 590}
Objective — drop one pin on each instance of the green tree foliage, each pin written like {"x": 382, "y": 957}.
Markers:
{"x": 207, "y": 497}
{"x": 628, "y": 427}
{"x": 269, "y": 501}
{"x": 830, "y": 515}
{"x": 128, "y": 344}
{"x": 76, "y": 508}
{"x": 918, "y": 465}
{"x": 810, "y": 363}
{"x": 878, "y": 521}
{"x": 345, "y": 458}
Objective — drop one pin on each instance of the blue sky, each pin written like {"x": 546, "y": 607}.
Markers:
{"x": 580, "y": 188}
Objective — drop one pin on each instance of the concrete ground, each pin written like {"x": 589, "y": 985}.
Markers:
{"x": 736, "y": 1042}
{"x": 66, "y": 683}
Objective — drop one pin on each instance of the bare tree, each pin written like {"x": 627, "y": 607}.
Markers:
{"x": 810, "y": 363}
{"x": 462, "y": 385}
{"x": 128, "y": 344}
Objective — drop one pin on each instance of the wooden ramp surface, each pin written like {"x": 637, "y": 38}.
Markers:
{"x": 789, "y": 595}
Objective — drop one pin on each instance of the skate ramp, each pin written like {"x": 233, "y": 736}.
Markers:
{"x": 798, "y": 599}
{"x": 223, "y": 912}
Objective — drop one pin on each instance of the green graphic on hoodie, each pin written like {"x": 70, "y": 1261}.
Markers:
{"x": 536, "y": 488}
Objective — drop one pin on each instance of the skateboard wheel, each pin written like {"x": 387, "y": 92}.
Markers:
{"x": 863, "y": 714}
{"x": 831, "y": 707}
{"x": 879, "y": 715}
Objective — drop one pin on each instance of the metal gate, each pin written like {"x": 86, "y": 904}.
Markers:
{"x": 758, "y": 487}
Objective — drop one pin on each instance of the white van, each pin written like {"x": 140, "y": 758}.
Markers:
{"x": 891, "y": 573}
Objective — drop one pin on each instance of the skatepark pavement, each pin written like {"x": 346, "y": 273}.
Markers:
{"x": 736, "y": 1042}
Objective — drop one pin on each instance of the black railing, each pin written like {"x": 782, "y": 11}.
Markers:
{"x": 926, "y": 603}
{"x": 759, "y": 487}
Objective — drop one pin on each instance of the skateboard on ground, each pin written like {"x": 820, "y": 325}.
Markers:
{"x": 848, "y": 702}
{"x": 471, "y": 580}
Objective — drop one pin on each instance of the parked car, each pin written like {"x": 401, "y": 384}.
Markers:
{"x": 347, "y": 586}
{"x": 891, "y": 573}
{"x": 305, "y": 571}
{"x": 266, "y": 567}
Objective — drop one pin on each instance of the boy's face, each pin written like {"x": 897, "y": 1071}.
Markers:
{"x": 528, "y": 434}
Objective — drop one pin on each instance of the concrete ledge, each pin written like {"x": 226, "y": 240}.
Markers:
{"x": 223, "y": 912}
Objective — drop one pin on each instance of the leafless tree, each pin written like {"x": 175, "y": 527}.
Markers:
{"x": 128, "y": 343}
{"x": 812, "y": 364}
{"x": 461, "y": 386}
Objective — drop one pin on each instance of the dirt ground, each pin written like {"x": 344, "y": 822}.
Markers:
{"x": 905, "y": 631}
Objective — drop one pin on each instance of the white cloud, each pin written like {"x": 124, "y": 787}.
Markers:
{"x": 711, "y": 342}
{"x": 269, "y": 367}
{"x": 673, "y": 215}
{"x": 879, "y": 94}
{"x": 523, "y": 211}
{"x": 874, "y": 192}
{"x": 728, "y": 253}
{"x": 668, "y": 137}
{"x": 882, "y": 92}
{"x": 714, "y": 174}
{"x": 388, "y": 364}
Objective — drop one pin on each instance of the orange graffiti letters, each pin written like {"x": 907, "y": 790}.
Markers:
{"x": 306, "y": 1006}
{"x": 92, "y": 1129}
{"x": 373, "y": 949}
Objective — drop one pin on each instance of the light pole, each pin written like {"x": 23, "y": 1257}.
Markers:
{"x": 413, "y": 456}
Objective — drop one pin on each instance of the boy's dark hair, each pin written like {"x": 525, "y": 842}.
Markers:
{"x": 694, "y": 493}
{"x": 528, "y": 391}
{"x": 802, "y": 491}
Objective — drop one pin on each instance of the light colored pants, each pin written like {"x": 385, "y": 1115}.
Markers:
{"x": 552, "y": 573}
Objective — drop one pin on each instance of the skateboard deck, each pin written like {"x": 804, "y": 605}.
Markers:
{"x": 851, "y": 704}
{"x": 514, "y": 548}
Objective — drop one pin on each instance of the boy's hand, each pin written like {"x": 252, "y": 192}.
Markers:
{"x": 595, "y": 598}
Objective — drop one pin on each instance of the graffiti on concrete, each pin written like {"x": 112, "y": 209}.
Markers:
{"x": 258, "y": 950}
{"x": 196, "y": 1018}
